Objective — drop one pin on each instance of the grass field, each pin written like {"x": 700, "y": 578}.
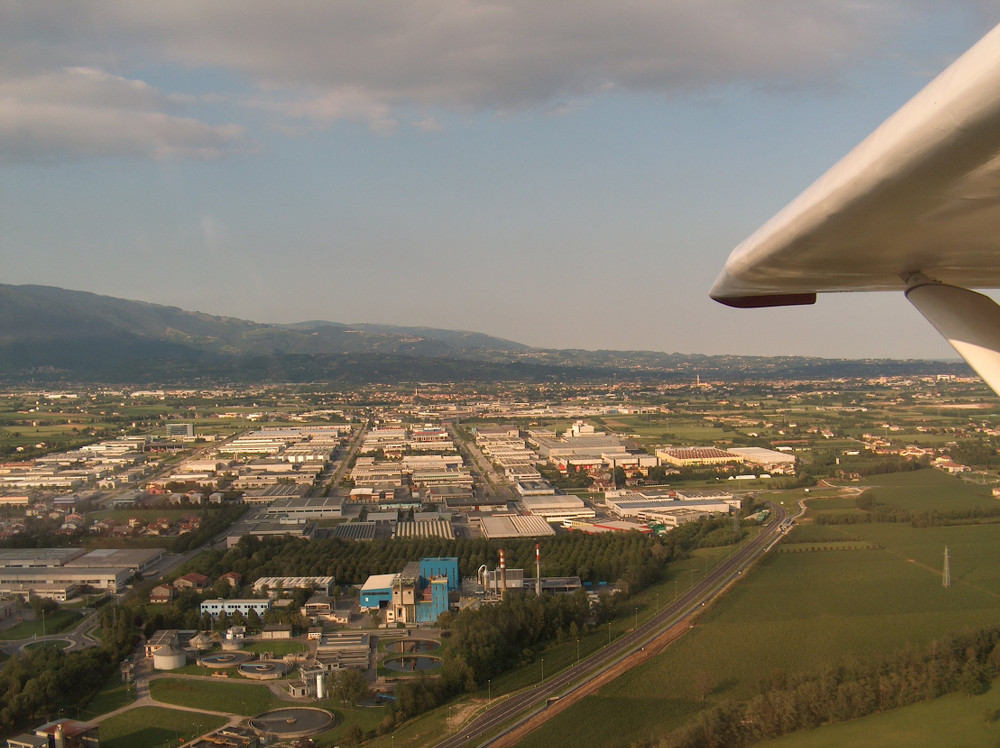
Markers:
{"x": 152, "y": 726}
{"x": 954, "y": 720}
{"x": 276, "y": 647}
{"x": 113, "y": 695}
{"x": 804, "y": 612}
{"x": 215, "y": 695}
{"x": 55, "y": 622}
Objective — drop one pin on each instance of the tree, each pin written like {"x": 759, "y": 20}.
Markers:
{"x": 350, "y": 686}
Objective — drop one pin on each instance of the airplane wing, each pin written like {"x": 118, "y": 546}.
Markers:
{"x": 915, "y": 207}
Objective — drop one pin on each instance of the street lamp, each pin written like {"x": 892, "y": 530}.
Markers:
{"x": 637, "y": 616}
{"x": 543, "y": 670}
{"x": 489, "y": 692}
{"x": 675, "y": 590}
{"x": 578, "y": 650}
{"x": 657, "y": 603}
{"x": 609, "y": 632}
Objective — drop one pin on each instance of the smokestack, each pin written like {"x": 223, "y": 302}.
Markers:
{"x": 503, "y": 574}
{"x": 538, "y": 571}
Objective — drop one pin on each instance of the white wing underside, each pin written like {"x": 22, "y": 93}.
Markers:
{"x": 920, "y": 194}
{"x": 914, "y": 207}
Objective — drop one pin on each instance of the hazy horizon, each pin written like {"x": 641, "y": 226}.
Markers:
{"x": 571, "y": 175}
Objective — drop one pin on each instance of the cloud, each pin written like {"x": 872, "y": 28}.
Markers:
{"x": 310, "y": 63}
{"x": 83, "y": 111}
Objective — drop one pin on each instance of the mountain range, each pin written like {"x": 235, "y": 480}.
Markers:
{"x": 52, "y": 334}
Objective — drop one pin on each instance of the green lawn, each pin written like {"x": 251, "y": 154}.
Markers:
{"x": 55, "y": 622}
{"x": 152, "y": 726}
{"x": 113, "y": 695}
{"x": 954, "y": 720}
{"x": 277, "y": 647}
{"x": 215, "y": 695}
{"x": 54, "y": 644}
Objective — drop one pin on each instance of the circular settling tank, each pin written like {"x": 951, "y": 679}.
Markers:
{"x": 263, "y": 670}
{"x": 412, "y": 663}
{"x": 219, "y": 660}
{"x": 409, "y": 646}
{"x": 292, "y": 722}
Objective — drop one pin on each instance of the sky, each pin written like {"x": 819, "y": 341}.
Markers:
{"x": 566, "y": 174}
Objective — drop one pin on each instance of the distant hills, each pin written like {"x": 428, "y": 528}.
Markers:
{"x": 51, "y": 334}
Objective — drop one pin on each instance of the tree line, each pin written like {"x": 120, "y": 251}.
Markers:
{"x": 782, "y": 704}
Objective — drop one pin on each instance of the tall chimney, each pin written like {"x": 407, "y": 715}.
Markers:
{"x": 538, "y": 570}
{"x": 503, "y": 574}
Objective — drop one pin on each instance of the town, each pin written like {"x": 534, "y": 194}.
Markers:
{"x": 317, "y": 550}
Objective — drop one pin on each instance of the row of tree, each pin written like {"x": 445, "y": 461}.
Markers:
{"x": 963, "y": 662}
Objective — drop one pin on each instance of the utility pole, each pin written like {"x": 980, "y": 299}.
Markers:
{"x": 946, "y": 577}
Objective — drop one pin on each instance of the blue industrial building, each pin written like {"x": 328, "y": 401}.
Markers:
{"x": 418, "y": 594}
{"x": 446, "y": 566}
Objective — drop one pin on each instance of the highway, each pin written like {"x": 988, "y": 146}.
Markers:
{"x": 519, "y": 707}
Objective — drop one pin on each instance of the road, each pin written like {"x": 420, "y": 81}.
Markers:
{"x": 491, "y": 482}
{"x": 521, "y": 706}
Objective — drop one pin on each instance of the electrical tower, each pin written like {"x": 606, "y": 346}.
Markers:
{"x": 946, "y": 577}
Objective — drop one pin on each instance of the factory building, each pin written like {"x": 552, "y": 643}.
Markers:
{"x": 216, "y": 607}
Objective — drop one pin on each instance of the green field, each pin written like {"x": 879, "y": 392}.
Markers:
{"x": 113, "y": 695}
{"x": 805, "y": 612}
{"x": 955, "y": 720}
{"x": 213, "y": 695}
{"x": 277, "y": 648}
{"x": 55, "y": 622}
{"x": 152, "y": 726}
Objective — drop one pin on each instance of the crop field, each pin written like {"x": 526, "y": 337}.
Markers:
{"x": 925, "y": 490}
{"x": 154, "y": 726}
{"x": 805, "y": 612}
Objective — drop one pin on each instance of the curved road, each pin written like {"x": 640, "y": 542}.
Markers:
{"x": 525, "y": 704}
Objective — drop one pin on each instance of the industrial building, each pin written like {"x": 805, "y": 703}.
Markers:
{"x": 515, "y": 526}
{"x": 418, "y": 594}
{"x": 376, "y": 592}
{"x": 342, "y": 650}
{"x": 556, "y": 508}
{"x": 272, "y": 585}
{"x": 320, "y": 507}
{"x": 769, "y": 459}
{"x": 697, "y": 456}
{"x": 216, "y": 607}
{"x": 59, "y": 573}
{"x": 63, "y": 733}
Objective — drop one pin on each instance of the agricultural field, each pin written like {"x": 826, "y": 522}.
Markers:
{"x": 805, "y": 612}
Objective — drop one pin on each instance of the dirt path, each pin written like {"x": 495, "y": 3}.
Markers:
{"x": 649, "y": 651}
